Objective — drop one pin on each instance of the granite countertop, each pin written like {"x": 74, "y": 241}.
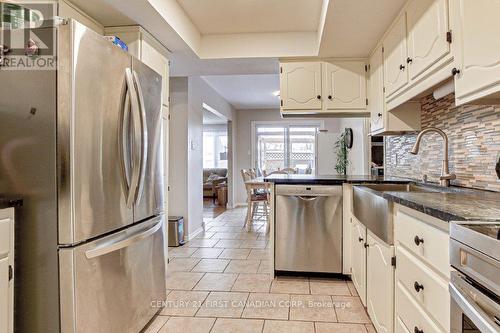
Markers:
{"x": 10, "y": 201}
{"x": 294, "y": 179}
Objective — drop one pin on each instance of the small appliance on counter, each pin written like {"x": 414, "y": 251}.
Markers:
{"x": 175, "y": 231}
{"x": 475, "y": 286}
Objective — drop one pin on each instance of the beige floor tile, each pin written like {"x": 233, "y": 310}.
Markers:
{"x": 370, "y": 328}
{"x": 209, "y": 253}
{"x": 182, "y": 280}
{"x": 267, "y": 306}
{"x": 216, "y": 282}
{"x": 223, "y": 305}
{"x": 257, "y": 283}
{"x": 201, "y": 242}
{"x": 228, "y": 243}
{"x": 205, "y": 235}
{"x": 259, "y": 254}
{"x": 243, "y": 266}
{"x": 339, "y": 328}
{"x": 253, "y": 244}
{"x": 223, "y": 325}
{"x": 312, "y": 308}
{"x": 182, "y": 264}
{"x": 180, "y": 252}
{"x": 235, "y": 254}
{"x": 211, "y": 265}
{"x": 265, "y": 267}
{"x": 184, "y": 303}
{"x": 188, "y": 324}
{"x": 352, "y": 288}
{"x": 290, "y": 285}
{"x": 278, "y": 326}
{"x": 156, "y": 324}
{"x": 323, "y": 287}
{"x": 350, "y": 310}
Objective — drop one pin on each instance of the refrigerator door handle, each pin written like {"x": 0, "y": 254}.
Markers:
{"x": 144, "y": 138}
{"x": 136, "y": 133}
{"x": 122, "y": 142}
{"x": 120, "y": 243}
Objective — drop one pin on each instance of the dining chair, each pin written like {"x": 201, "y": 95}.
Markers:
{"x": 257, "y": 195}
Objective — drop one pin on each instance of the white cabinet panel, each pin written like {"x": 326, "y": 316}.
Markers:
{"x": 5, "y": 244}
{"x": 4, "y": 296}
{"x": 395, "y": 55}
{"x": 427, "y": 28}
{"x": 344, "y": 85}
{"x": 380, "y": 284}
{"x": 358, "y": 258}
{"x": 478, "y": 49}
{"x": 301, "y": 85}
{"x": 376, "y": 91}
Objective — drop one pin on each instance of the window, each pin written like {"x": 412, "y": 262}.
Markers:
{"x": 214, "y": 149}
{"x": 285, "y": 145}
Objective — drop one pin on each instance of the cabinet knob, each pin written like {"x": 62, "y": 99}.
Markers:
{"x": 418, "y": 330}
{"x": 330, "y": 97}
{"x": 318, "y": 97}
{"x": 418, "y": 286}
{"x": 455, "y": 71}
{"x": 409, "y": 60}
{"x": 401, "y": 67}
{"x": 418, "y": 240}
{"x": 366, "y": 245}
{"x": 360, "y": 239}
{"x": 379, "y": 114}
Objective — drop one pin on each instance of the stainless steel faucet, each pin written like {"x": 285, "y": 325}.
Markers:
{"x": 446, "y": 176}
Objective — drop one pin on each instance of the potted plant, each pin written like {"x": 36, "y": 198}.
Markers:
{"x": 342, "y": 146}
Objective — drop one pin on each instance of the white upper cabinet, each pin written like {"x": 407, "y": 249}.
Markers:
{"x": 376, "y": 91}
{"x": 395, "y": 56}
{"x": 427, "y": 34}
{"x": 477, "y": 50}
{"x": 344, "y": 85}
{"x": 301, "y": 86}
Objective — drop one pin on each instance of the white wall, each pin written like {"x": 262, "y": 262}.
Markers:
{"x": 186, "y": 147}
{"x": 243, "y": 147}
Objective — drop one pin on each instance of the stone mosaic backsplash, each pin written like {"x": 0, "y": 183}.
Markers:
{"x": 474, "y": 135}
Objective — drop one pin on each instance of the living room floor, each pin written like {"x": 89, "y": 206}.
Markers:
{"x": 211, "y": 208}
{"x": 220, "y": 282}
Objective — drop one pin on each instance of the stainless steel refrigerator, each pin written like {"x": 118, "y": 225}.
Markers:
{"x": 82, "y": 146}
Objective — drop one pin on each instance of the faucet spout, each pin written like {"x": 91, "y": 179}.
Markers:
{"x": 445, "y": 171}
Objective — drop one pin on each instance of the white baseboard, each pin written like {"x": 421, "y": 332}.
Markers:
{"x": 193, "y": 234}
{"x": 240, "y": 204}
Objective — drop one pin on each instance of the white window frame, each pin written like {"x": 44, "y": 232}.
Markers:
{"x": 319, "y": 123}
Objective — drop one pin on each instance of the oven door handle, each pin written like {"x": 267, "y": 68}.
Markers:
{"x": 470, "y": 308}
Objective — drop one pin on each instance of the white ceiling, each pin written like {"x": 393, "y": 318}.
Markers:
{"x": 247, "y": 91}
{"x": 255, "y": 16}
{"x": 210, "y": 118}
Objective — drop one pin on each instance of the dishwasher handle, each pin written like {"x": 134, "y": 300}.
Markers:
{"x": 307, "y": 198}
{"x": 306, "y": 191}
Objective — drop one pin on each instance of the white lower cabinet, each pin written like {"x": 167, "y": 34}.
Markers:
{"x": 358, "y": 258}
{"x": 6, "y": 270}
{"x": 380, "y": 284}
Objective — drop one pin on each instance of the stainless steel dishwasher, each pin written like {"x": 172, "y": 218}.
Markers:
{"x": 308, "y": 232}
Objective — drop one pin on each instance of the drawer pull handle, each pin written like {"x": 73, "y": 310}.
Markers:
{"x": 360, "y": 239}
{"x": 418, "y": 240}
{"x": 418, "y": 286}
{"x": 418, "y": 330}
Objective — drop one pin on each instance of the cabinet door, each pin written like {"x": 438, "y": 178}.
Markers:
{"x": 345, "y": 85}
{"x": 427, "y": 28}
{"x": 395, "y": 54}
{"x": 376, "y": 91}
{"x": 380, "y": 284}
{"x": 478, "y": 49}
{"x": 358, "y": 259}
{"x": 4, "y": 295}
{"x": 154, "y": 59}
{"x": 301, "y": 85}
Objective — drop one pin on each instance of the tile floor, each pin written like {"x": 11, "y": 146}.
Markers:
{"x": 220, "y": 283}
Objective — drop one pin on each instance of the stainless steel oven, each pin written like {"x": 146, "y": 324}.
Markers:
{"x": 475, "y": 285}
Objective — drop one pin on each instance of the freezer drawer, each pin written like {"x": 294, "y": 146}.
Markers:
{"x": 111, "y": 284}
{"x": 308, "y": 233}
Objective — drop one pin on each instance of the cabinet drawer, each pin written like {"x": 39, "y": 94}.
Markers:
{"x": 426, "y": 241}
{"x": 434, "y": 297}
{"x": 4, "y": 237}
{"x": 411, "y": 316}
